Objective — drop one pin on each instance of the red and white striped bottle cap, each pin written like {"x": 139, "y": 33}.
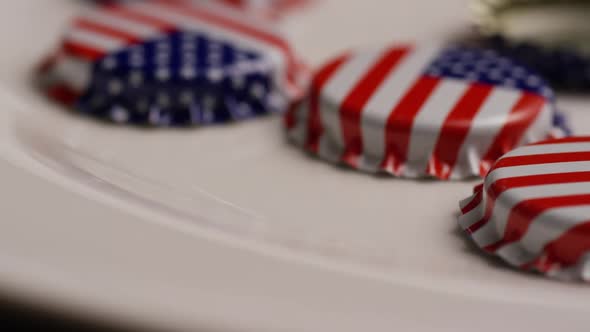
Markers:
{"x": 533, "y": 210}
{"x": 422, "y": 112}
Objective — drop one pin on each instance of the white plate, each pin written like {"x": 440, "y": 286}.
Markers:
{"x": 230, "y": 228}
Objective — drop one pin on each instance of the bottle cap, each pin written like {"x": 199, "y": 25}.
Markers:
{"x": 422, "y": 112}
{"x": 173, "y": 63}
{"x": 533, "y": 210}
{"x": 553, "y": 37}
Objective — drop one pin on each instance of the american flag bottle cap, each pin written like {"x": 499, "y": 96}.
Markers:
{"x": 173, "y": 63}
{"x": 533, "y": 210}
{"x": 423, "y": 112}
{"x": 551, "y": 36}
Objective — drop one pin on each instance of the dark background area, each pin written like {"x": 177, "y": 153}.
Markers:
{"x": 18, "y": 316}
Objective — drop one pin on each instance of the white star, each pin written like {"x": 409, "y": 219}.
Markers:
{"x": 119, "y": 114}
{"x": 257, "y": 90}
{"x": 163, "y": 46}
{"x": 189, "y": 58}
{"x": 154, "y": 116}
{"x": 241, "y": 57}
{"x": 509, "y": 82}
{"x": 163, "y": 74}
{"x": 472, "y": 76}
{"x": 547, "y": 92}
{"x": 238, "y": 82}
{"x": 214, "y": 57}
{"x": 136, "y": 78}
{"x": 518, "y": 72}
{"x": 215, "y": 47}
{"x": 243, "y": 110}
{"x": 137, "y": 60}
{"x": 276, "y": 101}
{"x": 115, "y": 87}
{"x": 188, "y": 36}
{"x": 496, "y": 75}
{"x": 482, "y": 65}
{"x": 188, "y": 72}
{"x": 215, "y": 74}
{"x": 189, "y": 45}
{"x": 208, "y": 116}
{"x": 138, "y": 48}
{"x": 109, "y": 63}
{"x": 504, "y": 63}
{"x": 209, "y": 102}
{"x": 163, "y": 100}
{"x": 186, "y": 98}
{"x": 458, "y": 69}
{"x": 467, "y": 55}
{"x": 163, "y": 58}
{"x": 533, "y": 80}
{"x": 142, "y": 105}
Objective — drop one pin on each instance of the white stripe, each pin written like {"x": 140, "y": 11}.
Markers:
{"x": 95, "y": 40}
{"x": 494, "y": 229}
{"x": 544, "y": 229}
{"x": 530, "y": 170}
{"x": 72, "y": 72}
{"x": 548, "y": 149}
{"x": 299, "y": 133}
{"x": 581, "y": 271}
{"x": 540, "y": 128}
{"x": 475, "y": 215}
{"x": 178, "y": 18}
{"x": 429, "y": 122}
{"x": 386, "y": 97}
{"x": 485, "y": 127}
{"x": 463, "y": 204}
{"x": 558, "y": 131}
{"x": 333, "y": 95}
{"x": 122, "y": 24}
{"x": 236, "y": 14}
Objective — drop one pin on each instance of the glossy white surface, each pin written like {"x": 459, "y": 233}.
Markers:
{"x": 231, "y": 228}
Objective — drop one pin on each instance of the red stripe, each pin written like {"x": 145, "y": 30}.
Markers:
{"x": 62, "y": 94}
{"x": 290, "y": 116}
{"x": 522, "y": 116}
{"x": 473, "y": 203}
{"x": 314, "y": 125}
{"x": 48, "y": 63}
{"x": 127, "y": 13}
{"x": 572, "y": 139}
{"x": 542, "y": 159}
{"x": 82, "y": 51}
{"x": 229, "y": 23}
{"x": 276, "y": 5}
{"x": 90, "y": 53}
{"x": 235, "y": 3}
{"x": 478, "y": 188}
{"x": 502, "y": 185}
{"x": 103, "y": 29}
{"x": 523, "y": 214}
{"x": 401, "y": 120}
{"x": 566, "y": 251}
{"x": 455, "y": 130}
{"x": 353, "y": 105}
